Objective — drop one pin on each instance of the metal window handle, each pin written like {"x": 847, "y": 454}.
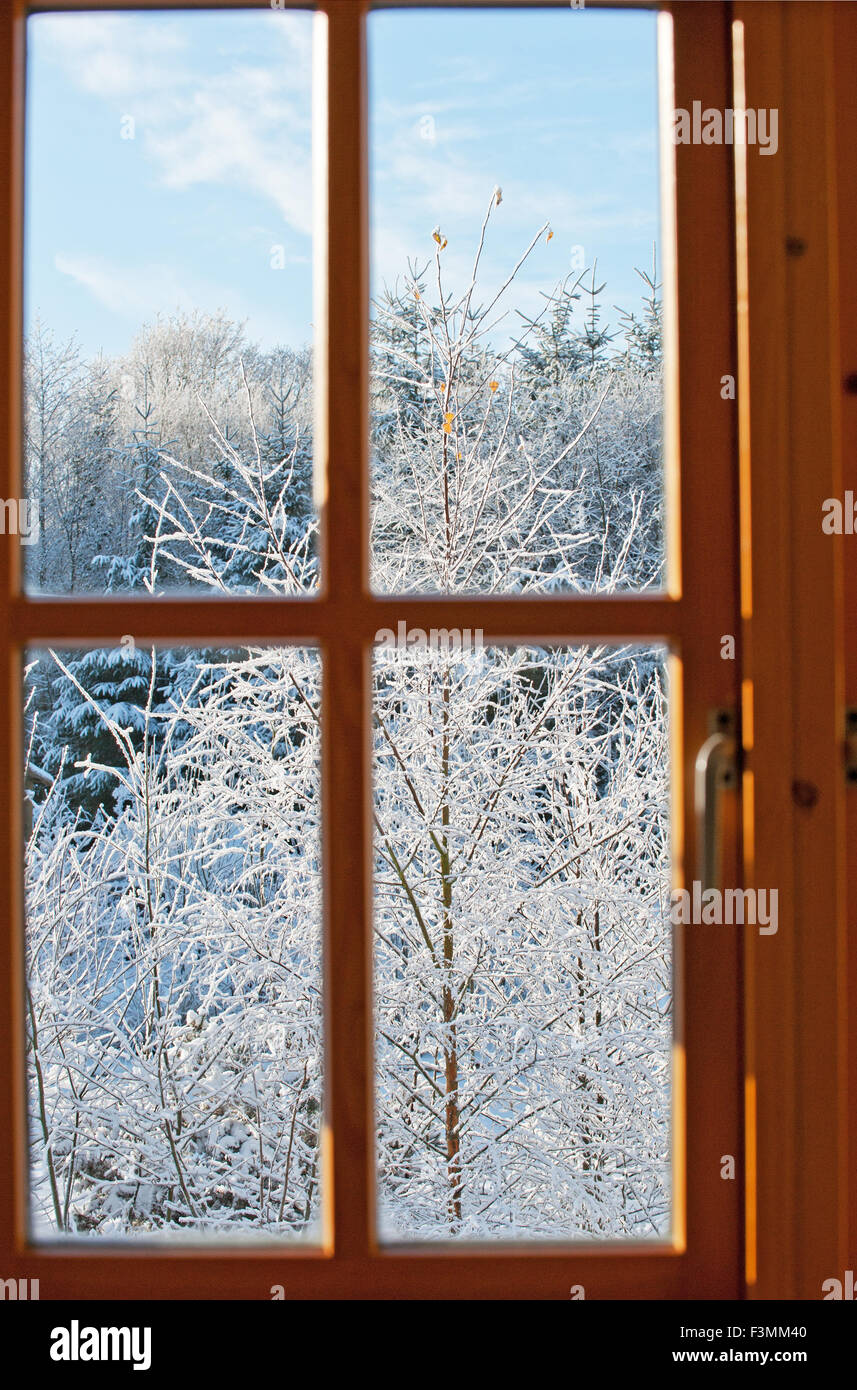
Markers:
{"x": 716, "y": 769}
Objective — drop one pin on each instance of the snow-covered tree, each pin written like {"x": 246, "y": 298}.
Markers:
{"x": 522, "y": 971}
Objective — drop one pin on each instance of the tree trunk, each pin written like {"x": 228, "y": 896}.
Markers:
{"x": 452, "y": 1115}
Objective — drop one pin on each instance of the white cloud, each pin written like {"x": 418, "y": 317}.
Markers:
{"x": 139, "y": 292}
{"x": 239, "y": 132}
{"x": 130, "y": 291}
{"x": 201, "y": 118}
{"x": 110, "y": 55}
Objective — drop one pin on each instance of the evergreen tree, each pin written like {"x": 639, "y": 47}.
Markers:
{"x": 552, "y": 347}
{"x": 117, "y": 680}
{"x": 402, "y": 366}
{"x": 555, "y": 347}
{"x": 644, "y": 333}
{"x": 594, "y": 340}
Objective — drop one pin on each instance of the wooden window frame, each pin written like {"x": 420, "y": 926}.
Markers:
{"x": 728, "y": 1238}
{"x": 800, "y": 1032}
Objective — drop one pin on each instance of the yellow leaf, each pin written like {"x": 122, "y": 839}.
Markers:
{"x": 447, "y": 423}
{"x": 550, "y": 235}
{"x": 437, "y": 237}
{"x": 492, "y": 386}
{"x": 416, "y": 294}
{"x": 458, "y": 455}
{"x": 443, "y": 244}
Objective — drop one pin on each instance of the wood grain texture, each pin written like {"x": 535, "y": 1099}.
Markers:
{"x": 793, "y": 637}
{"x": 845, "y": 62}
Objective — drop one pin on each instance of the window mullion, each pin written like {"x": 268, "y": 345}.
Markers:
{"x": 342, "y": 435}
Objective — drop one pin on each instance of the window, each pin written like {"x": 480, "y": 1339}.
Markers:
{"x": 668, "y": 623}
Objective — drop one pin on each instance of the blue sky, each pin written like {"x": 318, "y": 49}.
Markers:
{"x": 556, "y": 107}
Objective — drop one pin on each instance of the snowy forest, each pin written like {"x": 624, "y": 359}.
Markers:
{"x": 173, "y": 875}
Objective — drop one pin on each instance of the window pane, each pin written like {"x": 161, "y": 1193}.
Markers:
{"x": 516, "y": 339}
{"x": 523, "y": 949}
{"x": 173, "y": 942}
{"x": 168, "y": 367}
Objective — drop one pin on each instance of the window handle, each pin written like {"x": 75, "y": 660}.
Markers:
{"x": 716, "y": 769}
